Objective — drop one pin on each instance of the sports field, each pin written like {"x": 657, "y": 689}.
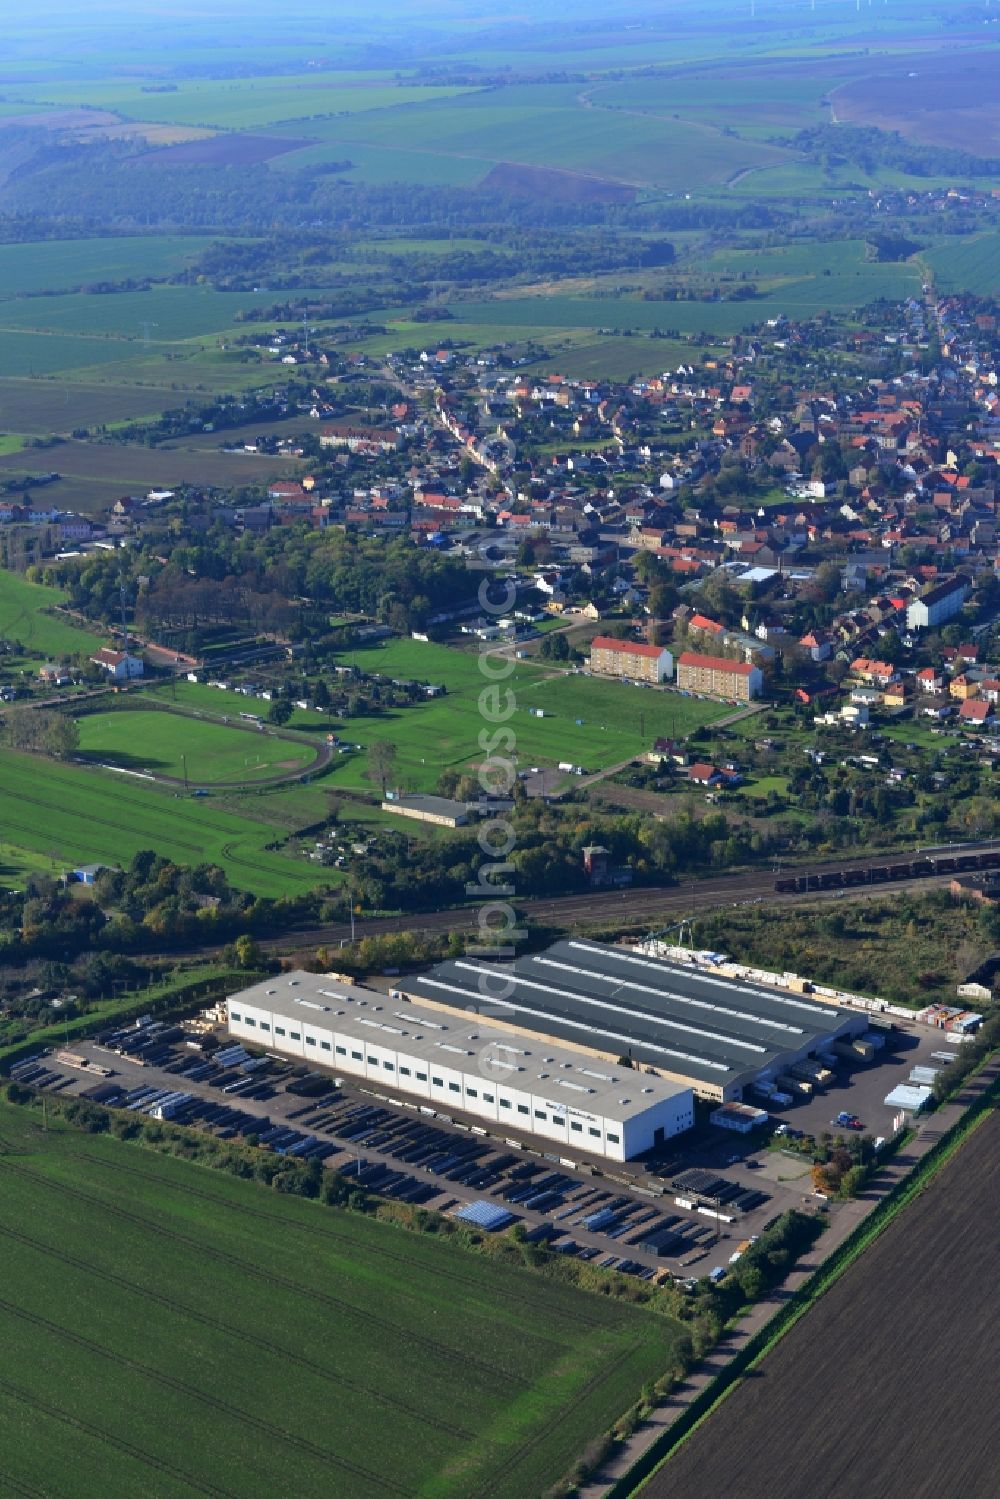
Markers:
{"x": 22, "y": 618}
{"x": 92, "y": 816}
{"x": 171, "y": 1331}
{"x": 586, "y": 722}
{"x": 170, "y": 744}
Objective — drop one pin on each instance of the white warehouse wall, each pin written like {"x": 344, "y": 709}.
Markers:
{"x": 633, "y": 1127}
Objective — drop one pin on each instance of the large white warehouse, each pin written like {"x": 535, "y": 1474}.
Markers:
{"x": 461, "y": 1065}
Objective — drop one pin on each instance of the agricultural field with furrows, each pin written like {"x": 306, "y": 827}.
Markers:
{"x": 769, "y": 99}
{"x": 171, "y": 744}
{"x": 381, "y": 165}
{"x": 167, "y": 336}
{"x": 92, "y": 816}
{"x": 169, "y": 1330}
{"x": 27, "y": 354}
{"x": 23, "y": 618}
{"x": 610, "y": 358}
{"x": 169, "y": 313}
{"x": 914, "y": 1300}
{"x": 40, "y": 408}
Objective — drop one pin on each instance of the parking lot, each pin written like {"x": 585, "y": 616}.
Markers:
{"x": 681, "y": 1213}
{"x": 404, "y": 1152}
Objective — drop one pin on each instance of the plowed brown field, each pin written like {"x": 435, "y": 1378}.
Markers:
{"x": 886, "y": 1389}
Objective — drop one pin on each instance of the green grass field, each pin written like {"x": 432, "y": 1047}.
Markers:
{"x": 170, "y": 1331}
{"x": 22, "y": 618}
{"x": 536, "y": 125}
{"x": 238, "y": 103}
{"x": 171, "y": 744}
{"x": 89, "y": 816}
{"x": 618, "y": 721}
{"x": 970, "y": 265}
{"x": 838, "y": 284}
{"x": 62, "y": 264}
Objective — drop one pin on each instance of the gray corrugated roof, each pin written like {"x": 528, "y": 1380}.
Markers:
{"x": 325, "y": 1006}
{"x": 673, "y": 1016}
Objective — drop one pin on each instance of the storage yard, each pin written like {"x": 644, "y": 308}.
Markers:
{"x": 712, "y": 1033}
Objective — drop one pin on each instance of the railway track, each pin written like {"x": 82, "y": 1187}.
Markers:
{"x": 626, "y": 906}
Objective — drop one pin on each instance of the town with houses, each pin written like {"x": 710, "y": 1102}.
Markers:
{"x": 812, "y": 517}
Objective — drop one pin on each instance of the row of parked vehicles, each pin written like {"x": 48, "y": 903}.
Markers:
{"x": 332, "y": 1126}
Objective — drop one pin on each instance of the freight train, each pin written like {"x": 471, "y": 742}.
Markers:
{"x": 879, "y": 874}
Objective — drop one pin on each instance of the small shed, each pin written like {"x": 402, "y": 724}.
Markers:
{"x": 910, "y": 1099}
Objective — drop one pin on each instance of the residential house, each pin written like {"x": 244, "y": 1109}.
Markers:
{"x": 629, "y": 659}
{"x": 120, "y": 666}
{"x": 716, "y": 676}
{"x": 938, "y": 604}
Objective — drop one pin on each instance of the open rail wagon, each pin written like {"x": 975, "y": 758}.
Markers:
{"x": 877, "y": 874}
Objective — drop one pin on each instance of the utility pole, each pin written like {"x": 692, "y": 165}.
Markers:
{"x": 122, "y": 596}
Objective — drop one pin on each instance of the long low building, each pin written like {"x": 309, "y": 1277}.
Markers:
{"x": 461, "y": 1064}
{"x": 714, "y": 1034}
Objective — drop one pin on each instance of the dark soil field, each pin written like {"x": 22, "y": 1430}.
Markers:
{"x": 555, "y": 186}
{"x": 131, "y": 468}
{"x": 43, "y": 407}
{"x": 965, "y": 115}
{"x": 887, "y": 1386}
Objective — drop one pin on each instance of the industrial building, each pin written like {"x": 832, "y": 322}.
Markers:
{"x": 717, "y": 1035}
{"x": 459, "y": 1063}
{"x": 440, "y": 810}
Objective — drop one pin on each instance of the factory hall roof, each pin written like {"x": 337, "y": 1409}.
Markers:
{"x": 674, "y": 1016}
{"x": 463, "y": 1042}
